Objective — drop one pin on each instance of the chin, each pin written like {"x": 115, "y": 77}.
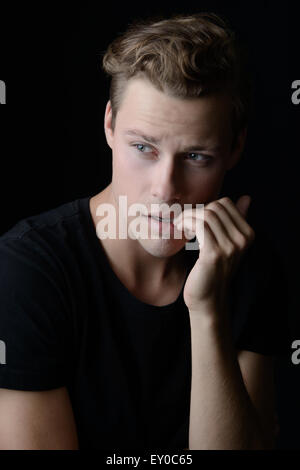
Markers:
{"x": 162, "y": 248}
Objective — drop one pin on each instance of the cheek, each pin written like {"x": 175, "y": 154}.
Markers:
{"x": 124, "y": 160}
{"x": 129, "y": 173}
{"x": 206, "y": 186}
{"x": 129, "y": 166}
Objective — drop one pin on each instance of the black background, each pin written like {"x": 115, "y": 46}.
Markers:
{"x": 52, "y": 141}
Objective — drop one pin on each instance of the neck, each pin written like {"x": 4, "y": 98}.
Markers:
{"x": 128, "y": 258}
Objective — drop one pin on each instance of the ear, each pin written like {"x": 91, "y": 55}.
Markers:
{"x": 109, "y": 133}
{"x": 237, "y": 149}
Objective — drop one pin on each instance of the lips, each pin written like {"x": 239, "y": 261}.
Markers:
{"x": 160, "y": 219}
{"x": 160, "y": 216}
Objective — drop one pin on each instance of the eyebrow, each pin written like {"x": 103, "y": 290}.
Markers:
{"x": 148, "y": 138}
{"x": 153, "y": 140}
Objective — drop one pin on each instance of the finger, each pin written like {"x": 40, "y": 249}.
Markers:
{"x": 236, "y": 236}
{"x": 201, "y": 229}
{"x": 237, "y": 218}
{"x": 233, "y": 211}
{"x": 242, "y": 204}
{"x": 189, "y": 213}
{"x": 216, "y": 226}
{"x": 188, "y": 227}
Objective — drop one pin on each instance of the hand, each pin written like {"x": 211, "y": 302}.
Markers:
{"x": 226, "y": 237}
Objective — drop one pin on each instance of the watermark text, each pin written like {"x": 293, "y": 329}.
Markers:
{"x": 2, "y": 92}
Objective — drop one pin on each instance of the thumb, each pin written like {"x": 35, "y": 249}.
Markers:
{"x": 243, "y": 204}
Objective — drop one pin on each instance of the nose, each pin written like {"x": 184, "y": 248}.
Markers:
{"x": 165, "y": 181}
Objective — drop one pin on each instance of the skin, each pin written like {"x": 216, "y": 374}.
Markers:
{"x": 232, "y": 392}
{"x": 225, "y": 413}
{"x": 163, "y": 172}
{"x": 226, "y": 237}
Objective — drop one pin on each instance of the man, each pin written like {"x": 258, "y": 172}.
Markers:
{"x": 133, "y": 341}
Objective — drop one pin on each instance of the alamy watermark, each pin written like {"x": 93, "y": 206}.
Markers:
{"x": 296, "y": 354}
{"x": 2, "y": 92}
{"x": 163, "y": 221}
{"x": 2, "y": 352}
{"x": 296, "y": 94}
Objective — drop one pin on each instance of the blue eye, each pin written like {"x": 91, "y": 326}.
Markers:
{"x": 196, "y": 155}
{"x": 141, "y": 147}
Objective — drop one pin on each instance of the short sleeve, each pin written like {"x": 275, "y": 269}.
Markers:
{"x": 34, "y": 330}
{"x": 260, "y": 301}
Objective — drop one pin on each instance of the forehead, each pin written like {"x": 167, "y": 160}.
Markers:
{"x": 142, "y": 104}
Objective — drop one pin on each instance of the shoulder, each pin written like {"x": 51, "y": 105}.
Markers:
{"x": 48, "y": 219}
{"x": 37, "y": 253}
{"x": 44, "y": 237}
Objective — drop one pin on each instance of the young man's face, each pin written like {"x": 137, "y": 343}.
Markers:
{"x": 168, "y": 150}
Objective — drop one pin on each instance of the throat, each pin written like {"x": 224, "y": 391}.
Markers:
{"x": 159, "y": 294}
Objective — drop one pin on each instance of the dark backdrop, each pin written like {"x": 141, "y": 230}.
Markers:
{"x": 52, "y": 140}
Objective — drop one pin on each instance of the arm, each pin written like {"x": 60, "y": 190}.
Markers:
{"x": 224, "y": 414}
{"x": 258, "y": 376}
{"x": 37, "y": 420}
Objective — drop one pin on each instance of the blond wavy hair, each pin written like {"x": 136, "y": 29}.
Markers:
{"x": 183, "y": 56}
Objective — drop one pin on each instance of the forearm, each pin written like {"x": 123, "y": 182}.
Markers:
{"x": 221, "y": 413}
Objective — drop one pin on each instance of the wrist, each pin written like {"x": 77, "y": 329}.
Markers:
{"x": 208, "y": 314}
{"x": 206, "y": 326}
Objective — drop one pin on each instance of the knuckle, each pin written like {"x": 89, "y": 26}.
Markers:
{"x": 215, "y": 256}
{"x": 220, "y": 207}
{"x": 241, "y": 241}
{"x": 251, "y": 234}
{"x": 214, "y": 205}
{"x": 209, "y": 214}
{"x": 231, "y": 249}
{"x": 226, "y": 200}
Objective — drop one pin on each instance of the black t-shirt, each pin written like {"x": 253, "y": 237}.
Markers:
{"x": 67, "y": 320}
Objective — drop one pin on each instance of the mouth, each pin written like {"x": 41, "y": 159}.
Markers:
{"x": 161, "y": 219}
